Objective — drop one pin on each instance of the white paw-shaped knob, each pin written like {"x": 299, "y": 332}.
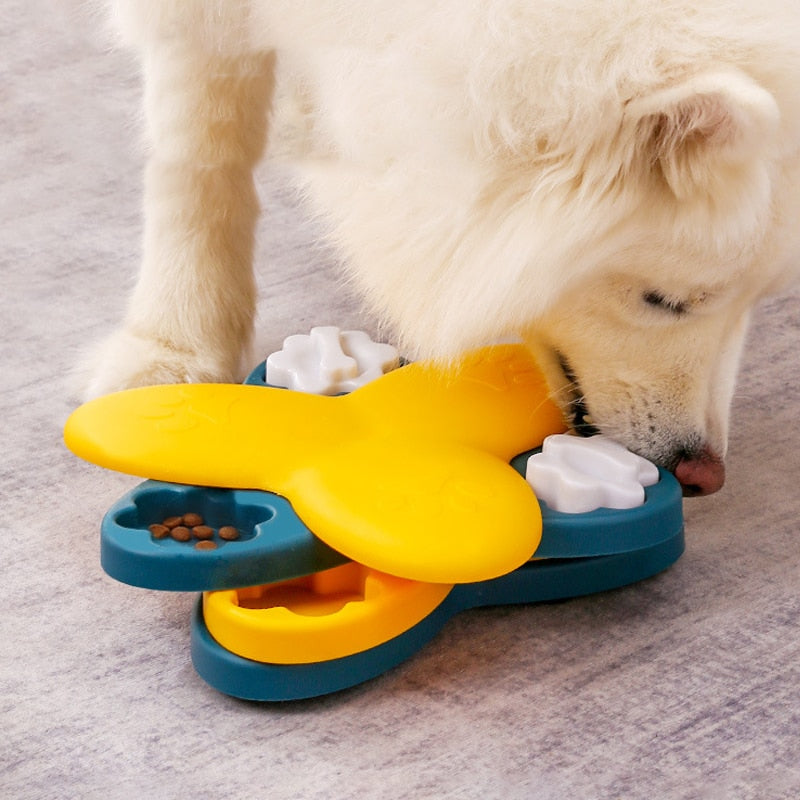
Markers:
{"x": 575, "y": 475}
{"x": 329, "y": 361}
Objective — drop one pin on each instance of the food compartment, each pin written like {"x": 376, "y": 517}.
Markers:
{"x": 250, "y": 537}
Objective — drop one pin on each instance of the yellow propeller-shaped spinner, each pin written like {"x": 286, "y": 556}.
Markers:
{"x": 408, "y": 474}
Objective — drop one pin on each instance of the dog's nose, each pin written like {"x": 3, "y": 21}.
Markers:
{"x": 700, "y": 473}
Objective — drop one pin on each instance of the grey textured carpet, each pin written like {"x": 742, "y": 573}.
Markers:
{"x": 683, "y": 686}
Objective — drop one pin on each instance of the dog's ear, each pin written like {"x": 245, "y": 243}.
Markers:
{"x": 699, "y": 133}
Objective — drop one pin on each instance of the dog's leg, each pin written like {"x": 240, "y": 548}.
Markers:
{"x": 191, "y": 314}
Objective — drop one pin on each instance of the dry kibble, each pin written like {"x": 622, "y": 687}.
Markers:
{"x": 159, "y": 531}
{"x": 228, "y": 533}
{"x": 181, "y": 533}
{"x": 191, "y": 527}
{"x": 205, "y": 545}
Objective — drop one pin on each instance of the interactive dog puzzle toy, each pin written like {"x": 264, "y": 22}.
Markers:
{"x": 410, "y": 484}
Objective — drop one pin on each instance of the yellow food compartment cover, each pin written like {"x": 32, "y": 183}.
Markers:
{"x": 320, "y": 617}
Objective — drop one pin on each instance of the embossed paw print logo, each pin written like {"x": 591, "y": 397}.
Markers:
{"x": 575, "y": 475}
{"x": 329, "y": 361}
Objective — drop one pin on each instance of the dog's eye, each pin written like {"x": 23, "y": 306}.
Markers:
{"x": 664, "y": 303}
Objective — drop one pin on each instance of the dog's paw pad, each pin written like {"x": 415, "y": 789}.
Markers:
{"x": 329, "y": 361}
{"x": 576, "y": 475}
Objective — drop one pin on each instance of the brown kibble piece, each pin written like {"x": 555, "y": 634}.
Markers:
{"x": 181, "y": 533}
{"x": 205, "y": 545}
{"x": 228, "y": 533}
{"x": 159, "y": 531}
{"x": 202, "y": 532}
{"x": 192, "y": 520}
{"x": 172, "y": 522}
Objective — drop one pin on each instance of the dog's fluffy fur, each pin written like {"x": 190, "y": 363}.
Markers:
{"x": 613, "y": 180}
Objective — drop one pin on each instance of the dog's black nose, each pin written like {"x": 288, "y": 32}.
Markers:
{"x": 700, "y": 473}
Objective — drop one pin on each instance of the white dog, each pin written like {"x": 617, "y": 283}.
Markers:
{"x": 616, "y": 181}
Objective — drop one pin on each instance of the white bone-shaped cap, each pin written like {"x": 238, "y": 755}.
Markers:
{"x": 329, "y": 361}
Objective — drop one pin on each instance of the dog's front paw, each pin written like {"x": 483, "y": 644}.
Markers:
{"x": 126, "y": 360}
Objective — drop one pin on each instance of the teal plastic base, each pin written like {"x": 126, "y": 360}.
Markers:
{"x": 275, "y": 544}
{"x": 537, "y": 581}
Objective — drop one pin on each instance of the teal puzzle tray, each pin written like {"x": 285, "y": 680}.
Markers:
{"x": 275, "y": 545}
{"x": 537, "y": 581}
